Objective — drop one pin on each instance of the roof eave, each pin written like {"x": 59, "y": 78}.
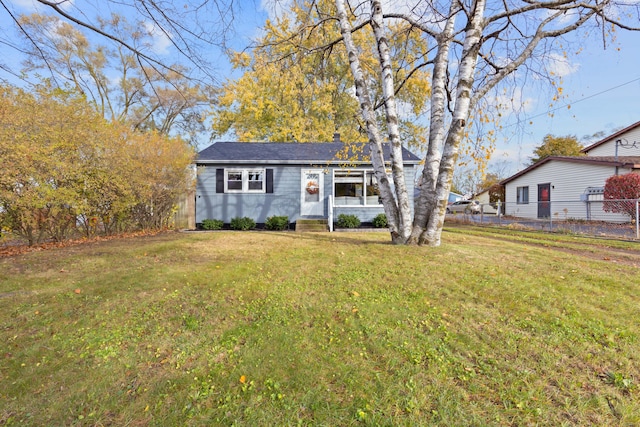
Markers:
{"x": 578, "y": 159}
{"x": 292, "y": 162}
{"x": 610, "y": 137}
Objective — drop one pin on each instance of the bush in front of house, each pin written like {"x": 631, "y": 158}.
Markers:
{"x": 620, "y": 193}
{"x": 244, "y": 223}
{"x": 380, "y": 221}
{"x": 348, "y": 221}
{"x": 277, "y": 223}
{"x": 212, "y": 224}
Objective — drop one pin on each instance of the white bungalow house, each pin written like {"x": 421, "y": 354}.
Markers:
{"x": 572, "y": 187}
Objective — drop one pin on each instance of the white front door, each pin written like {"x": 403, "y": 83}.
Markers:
{"x": 312, "y": 193}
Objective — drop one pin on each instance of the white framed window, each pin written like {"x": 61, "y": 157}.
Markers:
{"x": 255, "y": 180}
{"x": 522, "y": 195}
{"x": 244, "y": 181}
{"x": 355, "y": 187}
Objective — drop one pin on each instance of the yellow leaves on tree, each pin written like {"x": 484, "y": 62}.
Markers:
{"x": 290, "y": 90}
{"x": 65, "y": 166}
{"x": 557, "y": 146}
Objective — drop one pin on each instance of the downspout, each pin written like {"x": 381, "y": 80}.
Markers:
{"x": 618, "y": 141}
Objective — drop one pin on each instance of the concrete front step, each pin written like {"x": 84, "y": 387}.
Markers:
{"x": 311, "y": 225}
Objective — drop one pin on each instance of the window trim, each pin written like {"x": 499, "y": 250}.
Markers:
{"x": 364, "y": 173}
{"x": 245, "y": 180}
{"x": 522, "y": 195}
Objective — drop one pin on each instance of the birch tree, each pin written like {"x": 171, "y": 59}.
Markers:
{"x": 475, "y": 45}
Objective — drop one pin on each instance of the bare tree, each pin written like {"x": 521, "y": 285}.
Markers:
{"x": 476, "y": 45}
{"x": 116, "y": 60}
{"x": 190, "y": 26}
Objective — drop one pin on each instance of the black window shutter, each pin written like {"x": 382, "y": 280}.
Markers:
{"x": 269, "y": 185}
{"x": 219, "y": 180}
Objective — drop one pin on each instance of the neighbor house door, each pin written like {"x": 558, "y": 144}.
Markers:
{"x": 312, "y": 193}
{"x": 544, "y": 200}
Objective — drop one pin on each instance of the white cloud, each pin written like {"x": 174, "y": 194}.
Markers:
{"x": 560, "y": 65}
{"x": 161, "y": 41}
{"x": 509, "y": 103}
{"x": 32, "y": 6}
{"x": 275, "y": 8}
{"x": 29, "y": 5}
{"x": 67, "y": 4}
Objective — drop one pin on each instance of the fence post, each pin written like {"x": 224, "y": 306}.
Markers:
{"x": 330, "y": 220}
{"x": 637, "y": 220}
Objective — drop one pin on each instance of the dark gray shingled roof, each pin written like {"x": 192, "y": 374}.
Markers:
{"x": 288, "y": 152}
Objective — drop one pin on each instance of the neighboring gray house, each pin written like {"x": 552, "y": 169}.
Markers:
{"x": 572, "y": 187}
{"x": 298, "y": 180}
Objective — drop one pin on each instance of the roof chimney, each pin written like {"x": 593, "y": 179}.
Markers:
{"x": 336, "y": 137}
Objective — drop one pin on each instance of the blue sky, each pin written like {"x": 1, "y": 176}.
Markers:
{"x": 601, "y": 86}
{"x": 602, "y": 90}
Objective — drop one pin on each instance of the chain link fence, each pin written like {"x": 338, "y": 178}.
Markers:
{"x": 605, "y": 218}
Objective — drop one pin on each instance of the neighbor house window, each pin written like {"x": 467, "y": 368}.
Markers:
{"x": 522, "y": 195}
{"x": 355, "y": 188}
{"x": 244, "y": 181}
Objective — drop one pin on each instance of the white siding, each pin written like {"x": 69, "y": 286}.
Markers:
{"x": 568, "y": 182}
{"x": 609, "y": 147}
{"x": 483, "y": 197}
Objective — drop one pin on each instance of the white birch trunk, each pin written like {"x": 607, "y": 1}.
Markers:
{"x": 428, "y": 199}
{"x": 472, "y": 42}
{"x": 391, "y": 111}
{"x": 375, "y": 141}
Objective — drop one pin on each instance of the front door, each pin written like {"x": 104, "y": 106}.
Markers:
{"x": 544, "y": 200}
{"x": 312, "y": 193}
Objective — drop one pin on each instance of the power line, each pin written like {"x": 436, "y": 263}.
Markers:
{"x": 575, "y": 102}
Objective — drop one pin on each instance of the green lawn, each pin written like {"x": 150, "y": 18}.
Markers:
{"x": 493, "y": 328}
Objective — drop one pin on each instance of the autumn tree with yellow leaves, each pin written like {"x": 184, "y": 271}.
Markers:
{"x": 66, "y": 170}
{"x": 557, "y": 146}
{"x": 296, "y": 83}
